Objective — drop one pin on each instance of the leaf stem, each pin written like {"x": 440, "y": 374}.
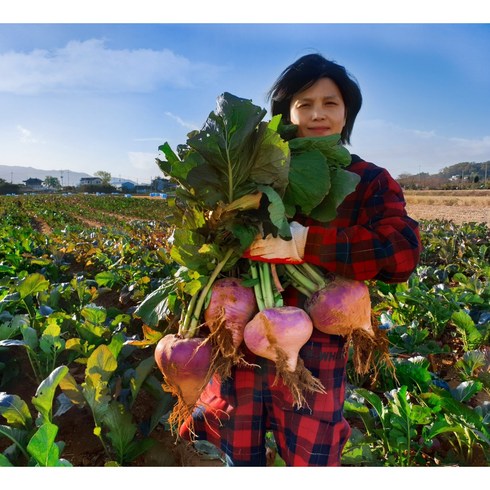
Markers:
{"x": 265, "y": 279}
{"x": 300, "y": 281}
{"x": 265, "y": 295}
{"x": 184, "y": 326}
{"x": 313, "y": 273}
{"x": 259, "y": 297}
{"x": 195, "y": 307}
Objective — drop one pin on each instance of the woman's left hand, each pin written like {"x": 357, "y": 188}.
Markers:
{"x": 280, "y": 251}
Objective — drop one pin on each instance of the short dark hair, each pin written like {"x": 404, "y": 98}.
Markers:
{"x": 303, "y": 73}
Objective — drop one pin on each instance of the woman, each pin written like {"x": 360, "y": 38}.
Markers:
{"x": 371, "y": 238}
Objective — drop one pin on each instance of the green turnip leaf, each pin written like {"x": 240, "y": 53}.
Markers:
{"x": 466, "y": 390}
{"x": 100, "y": 367}
{"x": 96, "y": 315}
{"x": 472, "y": 337}
{"x": 29, "y": 335}
{"x": 190, "y": 250}
{"x": 277, "y": 213}
{"x": 107, "y": 278}
{"x": 43, "y": 399}
{"x": 271, "y": 158}
{"x": 72, "y": 390}
{"x": 336, "y": 154}
{"x": 12, "y": 326}
{"x": 50, "y": 341}
{"x": 42, "y": 447}
{"x": 4, "y": 461}
{"x": 144, "y": 368}
{"x": 309, "y": 182}
{"x": 343, "y": 183}
{"x": 158, "y": 305}
{"x": 239, "y": 152}
{"x": 174, "y": 166}
{"x": 101, "y": 364}
{"x": 122, "y": 432}
{"x": 15, "y": 411}
{"x": 33, "y": 283}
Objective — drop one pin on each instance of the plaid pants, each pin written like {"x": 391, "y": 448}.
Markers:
{"x": 235, "y": 414}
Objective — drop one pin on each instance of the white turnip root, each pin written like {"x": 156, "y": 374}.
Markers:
{"x": 185, "y": 365}
{"x": 230, "y": 307}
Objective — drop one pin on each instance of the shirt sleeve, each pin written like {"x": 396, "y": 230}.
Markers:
{"x": 378, "y": 240}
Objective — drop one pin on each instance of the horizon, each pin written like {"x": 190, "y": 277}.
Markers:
{"x": 66, "y": 172}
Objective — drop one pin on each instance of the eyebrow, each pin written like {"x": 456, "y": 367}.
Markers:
{"x": 309, "y": 99}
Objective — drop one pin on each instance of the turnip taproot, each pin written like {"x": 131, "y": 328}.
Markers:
{"x": 185, "y": 364}
{"x": 341, "y": 306}
{"x": 231, "y": 305}
{"x": 277, "y": 333}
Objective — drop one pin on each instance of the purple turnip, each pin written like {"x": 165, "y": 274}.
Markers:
{"x": 341, "y": 306}
{"x": 185, "y": 364}
{"x": 230, "y": 307}
{"x": 277, "y": 333}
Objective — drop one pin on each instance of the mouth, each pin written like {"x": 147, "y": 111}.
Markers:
{"x": 319, "y": 129}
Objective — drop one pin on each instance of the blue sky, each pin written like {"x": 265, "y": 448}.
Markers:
{"x": 103, "y": 96}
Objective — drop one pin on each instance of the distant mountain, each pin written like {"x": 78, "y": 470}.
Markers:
{"x": 116, "y": 181}
{"x": 17, "y": 175}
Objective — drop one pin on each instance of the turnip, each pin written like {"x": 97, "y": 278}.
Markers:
{"x": 341, "y": 306}
{"x": 277, "y": 333}
{"x": 186, "y": 360}
{"x": 185, "y": 365}
{"x": 231, "y": 305}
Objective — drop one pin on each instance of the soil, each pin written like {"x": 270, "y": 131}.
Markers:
{"x": 457, "y": 214}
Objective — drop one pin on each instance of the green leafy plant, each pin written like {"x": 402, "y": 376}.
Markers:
{"x": 392, "y": 427}
{"x": 471, "y": 363}
{"x": 87, "y": 268}
{"x": 463, "y": 428}
{"x": 43, "y": 344}
{"x": 33, "y": 441}
{"x": 113, "y": 420}
{"x": 473, "y": 337}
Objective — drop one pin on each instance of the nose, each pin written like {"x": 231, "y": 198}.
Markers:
{"x": 318, "y": 113}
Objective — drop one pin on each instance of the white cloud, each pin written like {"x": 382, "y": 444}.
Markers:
{"x": 92, "y": 66}
{"x": 25, "y": 135}
{"x": 183, "y": 123}
{"x": 403, "y": 150}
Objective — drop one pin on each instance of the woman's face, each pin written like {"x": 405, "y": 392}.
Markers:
{"x": 318, "y": 110}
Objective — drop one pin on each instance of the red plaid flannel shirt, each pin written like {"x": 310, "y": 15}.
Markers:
{"x": 372, "y": 237}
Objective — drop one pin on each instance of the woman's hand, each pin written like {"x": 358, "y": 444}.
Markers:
{"x": 279, "y": 251}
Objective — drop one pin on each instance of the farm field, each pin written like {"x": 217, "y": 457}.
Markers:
{"x": 79, "y": 386}
{"x": 459, "y": 206}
